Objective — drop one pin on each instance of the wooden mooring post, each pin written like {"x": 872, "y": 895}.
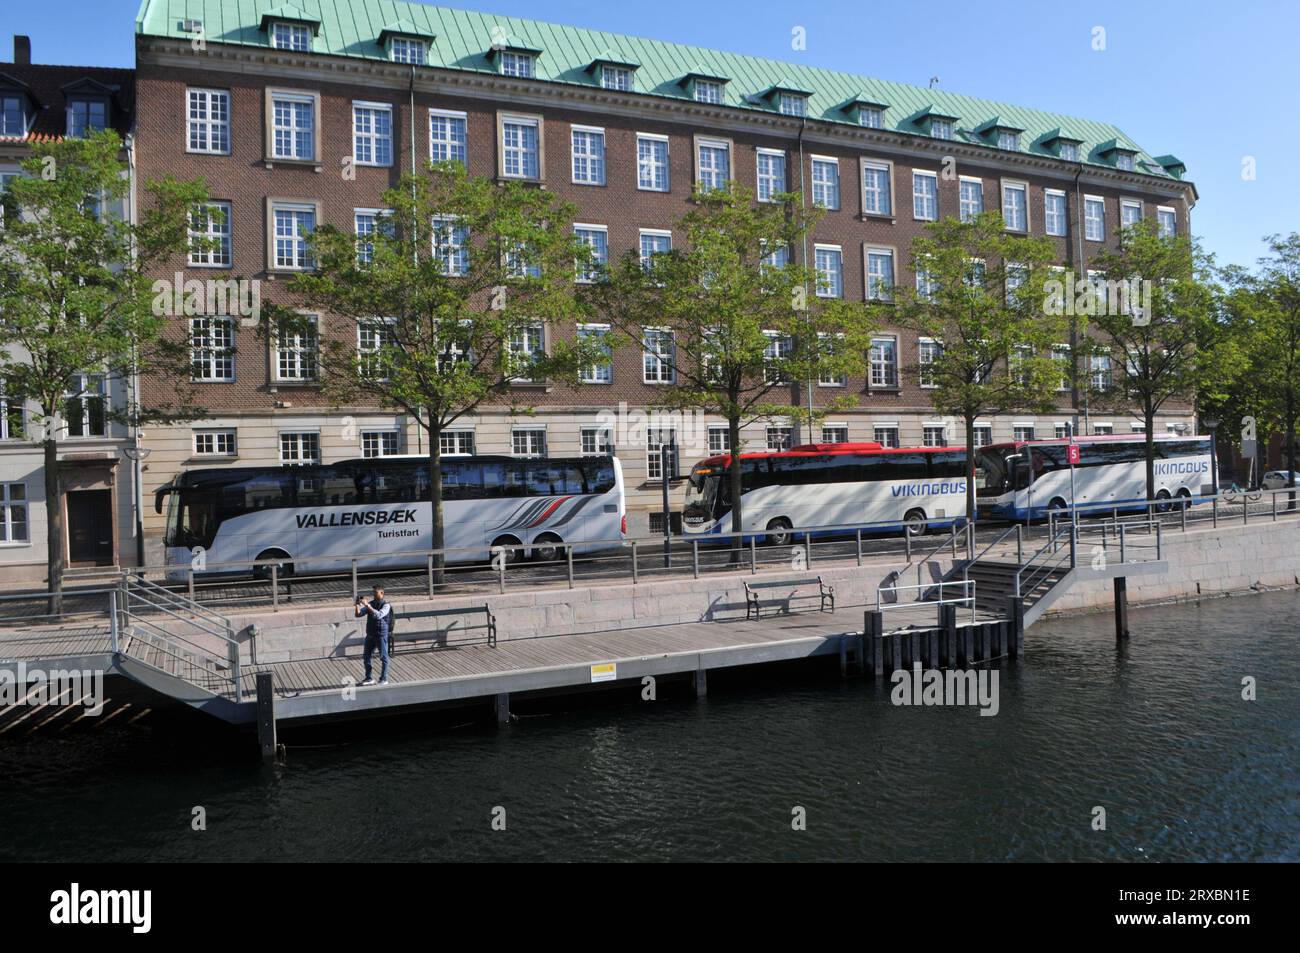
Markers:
{"x": 266, "y": 739}
{"x": 873, "y": 642}
{"x": 1121, "y": 609}
{"x": 1015, "y": 626}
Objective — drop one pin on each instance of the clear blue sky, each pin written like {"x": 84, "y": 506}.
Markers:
{"x": 1210, "y": 83}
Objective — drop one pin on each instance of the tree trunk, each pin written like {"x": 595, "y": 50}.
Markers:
{"x": 1290, "y": 446}
{"x": 734, "y": 475}
{"x": 1149, "y": 416}
{"x": 53, "y": 525}
{"x": 970, "y": 471}
{"x": 438, "y": 530}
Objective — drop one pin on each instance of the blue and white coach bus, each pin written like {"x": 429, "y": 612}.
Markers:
{"x": 305, "y": 515}
{"x": 829, "y": 484}
{"x": 1026, "y": 479}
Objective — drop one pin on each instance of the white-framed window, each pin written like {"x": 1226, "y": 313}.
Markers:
{"x": 792, "y": 104}
{"x": 212, "y": 349}
{"x": 1008, "y": 140}
{"x": 1094, "y": 218}
{"x": 588, "y": 155}
{"x": 771, "y": 174}
{"x": 927, "y": 283}
{"x": 527, "y": 346}
{"x": 871, "y": 117}
{"x": 712, "y": 163}
{"x": 654, "y": 241}
{"x": 528, "y": 442}
{"x": 1064, "y": 358}
{"x": 941, "y": 128}
{"x": 1101, "y": 378}
{"x": 885, "y": 434}
{"x": 1017, "y": 360}
{"x": 366, "y": 222}
{"x": 655, "y": 441}
{"x": 1167, "y": 221}
{"x": 1103, "y": 430}
{"x": 210, "y": 235}
{"x": 1015, "y": 275}
{"x": 448, "y": 138}
{"x": 832, "y": 344}
{"x": 374, "y": 337}
{"x": 12, "y": 415}
{"x": 86, "y": 116}
{"x": 451, "y": 244}
{"x": 293, "y": 223}
{"x": 657, "y": 356}
{"x": 601, "y": 372}
{"x": 719, "y": 439}
{"x": 293, "y": 126}
{"x": 299, "y": 447}
{"x": 214, "y": 443}
{"x": 379, "y": 443}
{"x": 372, "y": 134}
{"x": 1069, "y": 151}
{"x": 934, "y": 435}
{"x": 13, "y": 117}
{"x": 616, "y": 77}
{"x": 971, "y": 196}
{"x": 517, "y": 64}
{"x": 13, "y": 513}
{"x": 1022, "y": 431}
{"x": 85, "y": 406}
{"x": 884, "y": 362}
{"x": 291, "y": 36}
{"x": 651, "y": 162}
{"x": 880, "y": 274}
{"x": 1138, "y": 426}
{"x": 520, "y": 158}
{"x": 1015, "y": 206}
{"x": 1125, "y": 161}
{"x": 1060, "y": 431}
{"x": 780, "y": 347}
{"x": 983, "y": 435}
{"x": 595, "y": 441}
{"x": 826, "y": 182}
{"x": 595, "y": 237}
{"x": 1054, "y": 212}
{"x": 835, "y": 433}
{"x": 929, "y": 351}
{"x": 407, "y": 50}
{"x": 925, "y": 196}
{"x": 829, "y": 261}
{"x": 209, "y": 121}
{"x": 1130, "y": 213}
{"x": 456, "y": 443}
{"x": 296, "y": 352}
{"x": 779, "y": 438}
{"x": 708, "y": 91}
{"x": 877, "y": 190}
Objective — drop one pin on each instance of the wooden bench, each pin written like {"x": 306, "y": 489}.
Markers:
{"x": 755, "y": 598}
{"x": 446, "y": 627}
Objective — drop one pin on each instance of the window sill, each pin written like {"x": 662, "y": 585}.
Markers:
{"x": 878, "y": 217}
{"x": 885, "y": 390}
{"x": 207, "y": 267}
{"x": 203, "y": 458}
{"x": 312, "y": 164}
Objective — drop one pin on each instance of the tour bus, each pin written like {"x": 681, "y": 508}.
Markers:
{"x": 829, "y": 484}
{"x": 306, "y": 514}
{"x": 1026, "y": 479}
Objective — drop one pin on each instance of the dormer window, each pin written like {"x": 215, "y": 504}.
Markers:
{"x": 940, "y": 128}
{"x": 792, "y": 104}
{"x": 616, "y": 77}
{"x": 1009, "y": 140}
{"x": 1069, "y": 151}
{"x": 86, "y": 117}
{"x": 403, "y": 49}
{"x": 13, "y": 117}
{"x": 1124, "y": 161}
{"x": 517, "y": 64}
{"x": 871, "y": 117}
{"x": 708, "y": 91}
{"x": 291, "y": 36}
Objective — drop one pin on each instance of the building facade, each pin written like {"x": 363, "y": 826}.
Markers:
{"x": 301, "y": 115}
{"x": 42, "y": 103}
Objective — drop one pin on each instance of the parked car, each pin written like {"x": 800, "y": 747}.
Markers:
{"x": 1278, "y": 480}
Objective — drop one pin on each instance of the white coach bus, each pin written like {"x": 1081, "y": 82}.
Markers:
{"x": 304, "y": 515}
{"x": 829, "y": 484}
{"x": 1026, "y": 479}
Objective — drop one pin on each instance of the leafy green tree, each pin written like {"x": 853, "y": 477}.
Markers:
{"x": 736, "y": 325}
{"x": 981, "y": 297}
{"x": 463, "y": 295}
{"x": 1154, "y": 313}
{"x": 76, "y": 298}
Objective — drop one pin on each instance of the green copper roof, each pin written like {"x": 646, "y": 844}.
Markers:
{"x": 463, "y": 39}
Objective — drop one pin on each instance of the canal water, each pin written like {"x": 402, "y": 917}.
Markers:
{"x": 1158, "y": 735}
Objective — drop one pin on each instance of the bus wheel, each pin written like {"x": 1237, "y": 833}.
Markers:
{"x": 1056, "y": 509}
{"x": 512, "y": 555}
{"x": 282, "y": 571}
{"x": 1162, "y": 501}
{"x": 780, "y": 532}
{"x": 547, "y": 548}
{"x": 916, "y": 523}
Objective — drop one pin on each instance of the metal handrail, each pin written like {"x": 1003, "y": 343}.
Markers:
{"x": 1013, "y": 529}
{"x": 968, "y": 587}
{"x": 949, "y": 540}
{"x": 1038, "y": 575}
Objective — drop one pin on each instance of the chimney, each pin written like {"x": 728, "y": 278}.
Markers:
{"x": 22, "y": 50}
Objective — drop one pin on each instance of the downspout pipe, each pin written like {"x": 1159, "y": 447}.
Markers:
{"x": 803, "y": 204}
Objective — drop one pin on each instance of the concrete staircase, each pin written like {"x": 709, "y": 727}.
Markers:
{"x": 995, "y": 582}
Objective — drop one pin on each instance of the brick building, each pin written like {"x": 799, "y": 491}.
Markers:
{"x": 303, "y": 114}
{"x": 41, "y": 103}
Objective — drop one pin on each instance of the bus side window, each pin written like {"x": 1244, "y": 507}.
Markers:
{"x": 599, "y": 476}
{"x": 502, "y": 478}
{"x": 462, "y": 480}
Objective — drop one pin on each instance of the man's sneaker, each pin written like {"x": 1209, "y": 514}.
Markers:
{"x": 369, "y": 681}
{"x": 383, "y": 681}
